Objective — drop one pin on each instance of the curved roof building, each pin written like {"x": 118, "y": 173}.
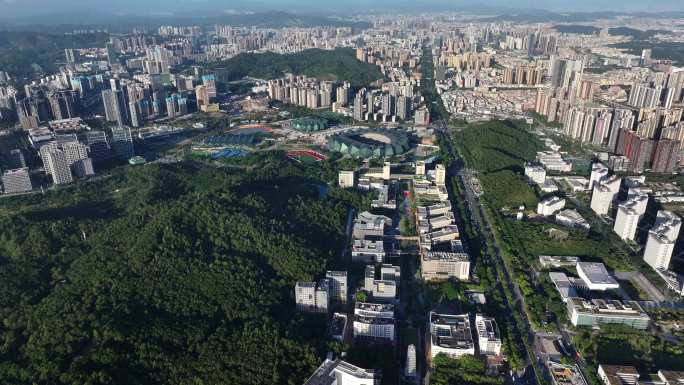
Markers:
{"x": 370, "y": 143}
{"x": 309, "y": 124}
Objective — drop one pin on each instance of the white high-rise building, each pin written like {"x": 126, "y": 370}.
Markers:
{"x": 598, "y": 172}
{"x": 661, "y": 240}
{"x": 629, "y": 214}
{"x": 626, "y": 222}
{"x": 603, "y": 194}
{"x": 56, "y": 163}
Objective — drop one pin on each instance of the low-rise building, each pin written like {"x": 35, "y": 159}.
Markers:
{"x": 566, "y": 374}
{"x": 488, "y": 337}
{"x": 310, "y": 297}
{"x": 347, "y": 179}
{"x": 338, "y": 285}
{"x": 338, "y": 326}
{"x": 598, "y": 311}
{"x": 338, "y": 372}
{"x": 550, "y": 206}
{"x": 442, "y": 265}
{"x": 557, "y": 260}
{"x": 535, "y": 172}
{"x": 374, "y": 321}
{"x": 571, "y": 218}
{"x": 628, "y": 375}
{"x": 450, "y": 334}
{"x": 366, "y": 251}
{"x": 596, "y": 277}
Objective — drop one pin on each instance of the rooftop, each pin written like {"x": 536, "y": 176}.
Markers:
{"x": 325, "y": 374}
{"x": 595, "y": 273}
{"x": 607, "y": 307}
{"x": 451, "y": 331}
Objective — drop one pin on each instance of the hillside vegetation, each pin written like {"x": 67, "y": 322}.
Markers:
{"x": 339, "y": 64}
{"x": 167, "y": 274}
{"x": 19, "y": 50}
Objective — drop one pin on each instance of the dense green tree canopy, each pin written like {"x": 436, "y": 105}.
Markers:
{"x": 166, "y": 274}
{"x": 338, "y": 64}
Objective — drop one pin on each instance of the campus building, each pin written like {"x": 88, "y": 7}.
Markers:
{"x": 598, "y": 311}
{"x": 450, "y": 334}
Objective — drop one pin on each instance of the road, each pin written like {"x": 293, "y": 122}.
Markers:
{"x": 479, "y": 220}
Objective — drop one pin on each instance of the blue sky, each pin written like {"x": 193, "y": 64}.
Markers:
{"x": 10, "y": 8}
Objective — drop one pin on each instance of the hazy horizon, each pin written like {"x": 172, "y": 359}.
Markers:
{"x": 98, "y": 8}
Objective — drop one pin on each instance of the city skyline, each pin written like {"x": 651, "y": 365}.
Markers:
{"x": 14, "y": 9}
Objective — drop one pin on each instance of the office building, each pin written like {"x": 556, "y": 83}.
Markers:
{"x": 338, "y": 372}
{"x": 535, "y": 172}
{"x": 347, "y": 179}
{"x": 16, "y": 181}
{"x": 628, "y": 375}
{"x": 310, "y": 297}
{"x": 98, "y": 145}
{"x": 450, "y": 334}
{"x": 74, "y": 151}
{"x": 595, "y": 276}
{"x": 598, "y": 311}
{"x": 338, "y": 285}
{"x": 374, "y": 321}
{"x": 488, "y": 336}
{"x": 661, "y": 240}
{"x": 390, "y": 273}
{"x": 550, "y": 206}
{"x": 122, "y": 142}
{"x": 56, "y": 164}
{"x": 83, "y": 167}
{"x": 442, "y": 265}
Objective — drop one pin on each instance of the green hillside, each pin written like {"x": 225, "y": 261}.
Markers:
{"x": 339, "y": 64}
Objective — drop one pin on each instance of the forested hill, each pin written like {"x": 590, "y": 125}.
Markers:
{"x": 167, "y": 274}
{"x": 338, "y": 64}
{"x": 19, "y": 50}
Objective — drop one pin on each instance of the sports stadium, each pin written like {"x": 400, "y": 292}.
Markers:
{"x": 370, "y": 143}
{"x": 309, "y": 124}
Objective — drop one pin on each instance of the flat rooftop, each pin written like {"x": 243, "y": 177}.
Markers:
{"x": 451, "y": 331}
{"x": 608, "y": 307}
{"x": 595, "y": 273}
